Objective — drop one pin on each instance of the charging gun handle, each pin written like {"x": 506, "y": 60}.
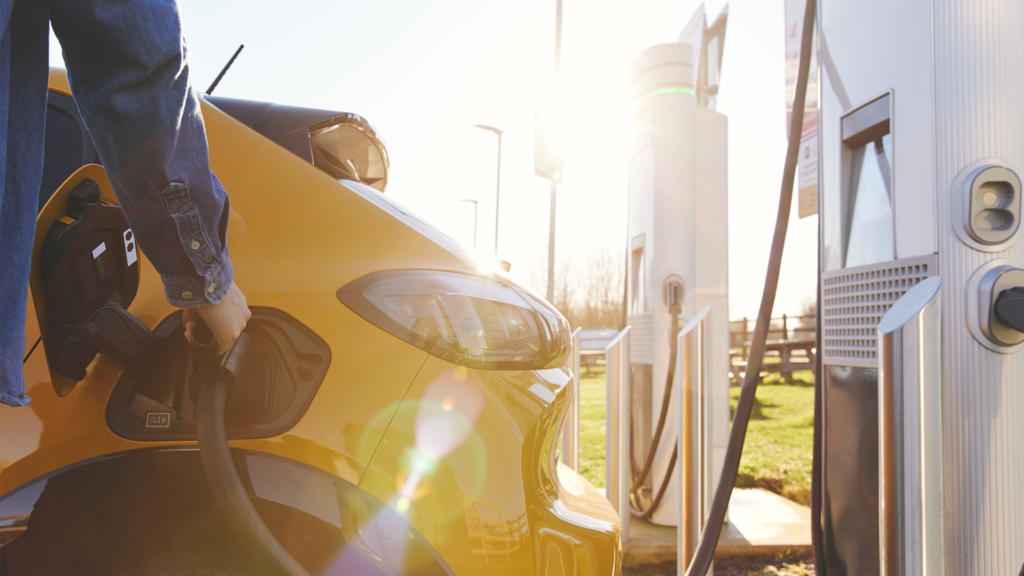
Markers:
{"x": 205, "y": 361}
{"x": 209, "y": 386}
{"x": 207, "y": 364}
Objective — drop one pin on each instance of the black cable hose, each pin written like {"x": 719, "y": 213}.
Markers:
{"x": 227, "y": 487}
{"x": 817, "y": 458}
{"x": 664, "y": 484}
{"x": 713, "y": 529}
{"x": 638, "y": 478}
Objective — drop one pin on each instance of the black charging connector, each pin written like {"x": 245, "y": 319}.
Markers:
{"x": 207, "y": 365}
{"x": 113, "y": 331}
{"x": 1009, "y": 308}
{"x": 210, "y": 383}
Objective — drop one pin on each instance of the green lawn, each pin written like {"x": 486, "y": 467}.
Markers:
{"x": 592, "y": 430}
{"x": 776, "y": 455}
{"x": 780, "y": 438}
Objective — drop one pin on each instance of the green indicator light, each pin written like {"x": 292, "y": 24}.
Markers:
{"x": 668, "y": 90}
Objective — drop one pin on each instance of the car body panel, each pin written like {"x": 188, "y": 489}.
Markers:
{"x": 491, "y": 498}
{"x": 449, "y": 458}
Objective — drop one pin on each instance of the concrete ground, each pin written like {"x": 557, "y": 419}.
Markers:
{"x": 759, "y": 522}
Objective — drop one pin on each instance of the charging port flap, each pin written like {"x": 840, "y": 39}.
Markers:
{"x": 85, "y": 274}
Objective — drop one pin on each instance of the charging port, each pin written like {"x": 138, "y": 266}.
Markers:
{"x": 275, "y": 378}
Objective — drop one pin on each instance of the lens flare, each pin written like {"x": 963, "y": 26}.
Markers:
{"x": 440, "y": 428}
{"x": 445, "y": 448}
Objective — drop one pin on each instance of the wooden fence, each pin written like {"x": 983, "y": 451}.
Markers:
{"x": 790, "y": 346}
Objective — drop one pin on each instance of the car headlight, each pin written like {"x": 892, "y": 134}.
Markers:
{"x": 467, "y": 320}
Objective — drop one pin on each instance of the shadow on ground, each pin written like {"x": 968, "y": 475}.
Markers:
{"x": 779, "y": 565}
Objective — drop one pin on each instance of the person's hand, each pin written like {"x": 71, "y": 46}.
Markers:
{"x": 226, "y": 318}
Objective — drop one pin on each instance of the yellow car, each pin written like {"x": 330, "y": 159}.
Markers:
{"x": 399, "y": 412}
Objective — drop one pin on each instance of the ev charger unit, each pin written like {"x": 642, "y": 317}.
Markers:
{"x": 677, "y": 252}
{"x": 921, "y": 285}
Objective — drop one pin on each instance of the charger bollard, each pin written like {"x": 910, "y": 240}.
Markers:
{"x": 571, "y": 434}
{"x": 910, "y": 432}
{"x": 693, "y": 378}
{"x": 616, "y": 409}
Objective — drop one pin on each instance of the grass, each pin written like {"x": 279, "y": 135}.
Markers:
{"x": 777, "y": 452}
{"x": 780, "y": 437}
{"x": 592, "y": 429}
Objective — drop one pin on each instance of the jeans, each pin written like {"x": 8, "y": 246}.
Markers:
{"x": 128, "y": 68}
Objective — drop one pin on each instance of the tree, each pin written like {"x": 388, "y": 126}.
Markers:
{"x": 588, "y": 294}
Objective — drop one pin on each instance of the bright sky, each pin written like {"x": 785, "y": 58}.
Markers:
{"x": 425, "y": 72}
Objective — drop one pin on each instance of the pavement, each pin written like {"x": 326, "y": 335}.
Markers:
{"x": 759, "y": 522}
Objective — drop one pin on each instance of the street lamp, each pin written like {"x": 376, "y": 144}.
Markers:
{"x": 497, "y": 192}
{"x": 548, "y": 165}
{"x": 474, "y": 218}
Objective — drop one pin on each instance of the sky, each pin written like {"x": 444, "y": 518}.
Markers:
{"x": 424, "y": 73}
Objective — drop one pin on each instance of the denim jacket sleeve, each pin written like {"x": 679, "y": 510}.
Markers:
{"x": 128, "y": 68}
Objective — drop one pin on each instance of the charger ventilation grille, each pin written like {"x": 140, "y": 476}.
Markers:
{"x": 854, "y": 300}
{"x": 641, "y": 339}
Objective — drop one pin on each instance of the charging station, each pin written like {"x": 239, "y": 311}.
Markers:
{"x": 922, "y": 147}
{"x": 677, "y": 251}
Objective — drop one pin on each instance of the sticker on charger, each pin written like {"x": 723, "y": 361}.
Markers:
{"x": 100, "y": 267}
{"x": 158, "y": 419}
{"x": 130, "y": 252}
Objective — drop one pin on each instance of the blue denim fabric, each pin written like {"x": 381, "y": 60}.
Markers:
{"x": 128, "y": 68}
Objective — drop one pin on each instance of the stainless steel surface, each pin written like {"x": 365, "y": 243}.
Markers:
{"x": 966, "y": 203}
{"x": 571, "y": 432}
{"x": 859, "y": 66}
{"x": 910, "y": 434}
{"x": 617, "y": 427}
{"x": 854, "y": 301}
{"x": 957, "y": 80}
{"x": 979, "y": 76}
{"x": 693, "y": 379}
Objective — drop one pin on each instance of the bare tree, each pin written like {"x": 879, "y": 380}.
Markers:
{"x": 601, "y": 290}
{"x": 588, "y": 294}
{"x": 809, "y": 310}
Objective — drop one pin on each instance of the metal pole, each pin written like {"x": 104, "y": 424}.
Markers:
{"x": 571, "y": 435}
{"x": 617, "y": 426}
{"x": 475, "y": 206}
{"x": 558, "y": 42}
{"x": 910, "y": 498}
{"x": 497, "y": 198}
{"x": 551, "y": 244}
{"x": 497, "y": 193}
{"x": 554, "y": 177}
{"x": 693, "y": 379}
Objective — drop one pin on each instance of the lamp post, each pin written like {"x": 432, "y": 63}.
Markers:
{"x": 555, "y": 174}
{"x": 497, "y": 192}
{"x": 475, "y": 202}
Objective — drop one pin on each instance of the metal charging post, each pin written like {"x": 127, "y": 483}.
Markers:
{"x": 910, "y": 433}
{"x": 616, "y": 472}
{"x": 693, "y": 379}
{"x": 571, "y": 433}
